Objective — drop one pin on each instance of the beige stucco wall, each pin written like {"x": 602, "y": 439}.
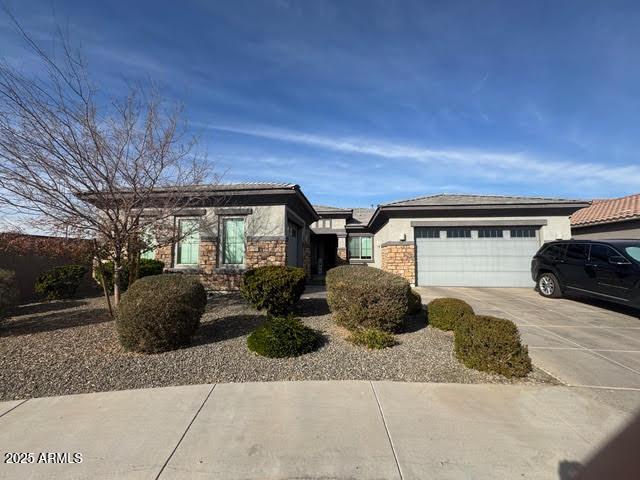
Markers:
{"x": 396, "y": 229}
{"x": 628, "y": 229}
{"x": 336, "y": 223}
{"x": 264, "y": 221}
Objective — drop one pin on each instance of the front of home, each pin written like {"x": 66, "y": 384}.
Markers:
{"x": 438, "y": 240}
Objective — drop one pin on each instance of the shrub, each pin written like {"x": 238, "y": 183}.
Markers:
{"x": 443, "y": 313}
{"x": 8, "y": 291}
{"x": 275, "y": 289}
{"x": 492, "y": 345}
{"x": 60, "y": 282}
{"x": 283, "y": 337}
{"x": 372, "y": 338}
{"x": 160, "y": 312}
{"x": 415, "y": 302}
{"x": 146, "y": 268}
{"x": 366, "y": 297}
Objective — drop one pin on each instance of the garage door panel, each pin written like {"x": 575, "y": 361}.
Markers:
{"x": 496, "y": 262}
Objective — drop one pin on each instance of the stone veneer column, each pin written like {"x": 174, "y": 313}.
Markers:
{"x": 164, "y": 254}
{"x": 208, "y": 258}
{"x": 341, "y": 253}
{"x": 263, "y": 251}
{"x": 399, "y": 258}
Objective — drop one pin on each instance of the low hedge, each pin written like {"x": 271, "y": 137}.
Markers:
{"x": 491, "y": 344}
{"x": 372, "y": 338}
{"x": 275, "y": 289}
{"x": 160, "y": 313}
{"x": 9, "y": 293}
{"x": 366, "y": 297}
{"x": 443, "y": 313}
{"x": 415, "y": 302}
{"x": 146, "y": 268}
{"x": 60, "y": 282}
{"x": 283, "y": 337}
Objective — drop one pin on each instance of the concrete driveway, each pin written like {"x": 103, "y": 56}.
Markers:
{"x": 582, "y": 343}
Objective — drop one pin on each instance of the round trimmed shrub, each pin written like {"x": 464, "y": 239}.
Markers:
{"x": 372, "y": 338}
{"x": 491, "y": 344}
{"x": 444, "y": 313}
{"x": 415, "y": 302}
{"x": 283, "y": 337}
{"x": 366, "y": 297}
{"x": 160, "y": 313}
{"x": 60, "y": 282}
{"x": 9, "y": 293}
{"x": 274, "y": 288}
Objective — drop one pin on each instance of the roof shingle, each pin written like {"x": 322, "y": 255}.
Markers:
{"x": 608, "y": 211}
{"x": 444, "y": 199}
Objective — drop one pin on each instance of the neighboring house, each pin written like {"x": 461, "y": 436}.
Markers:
{"x": 608, "y": 219}
{"x": 446, "y": 240}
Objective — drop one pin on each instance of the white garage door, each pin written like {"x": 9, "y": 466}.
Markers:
{"x": 475, "y": 257}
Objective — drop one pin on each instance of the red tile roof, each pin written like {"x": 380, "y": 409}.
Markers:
{"x": 608, "y": 211}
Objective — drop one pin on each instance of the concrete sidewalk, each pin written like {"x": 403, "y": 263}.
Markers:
{"x": 351, "y": 429}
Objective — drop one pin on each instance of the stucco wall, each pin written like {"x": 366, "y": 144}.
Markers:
{"x": 558, "y": 227}
{"x": 609, "y": 231}
{"x": 264, "y": 220}
{"x": 336, "y": 223}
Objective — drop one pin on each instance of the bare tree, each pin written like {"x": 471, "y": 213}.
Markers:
{"x": 77, "y": 161}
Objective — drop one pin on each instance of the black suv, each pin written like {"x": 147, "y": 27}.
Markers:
{"x": 606, "y": 269}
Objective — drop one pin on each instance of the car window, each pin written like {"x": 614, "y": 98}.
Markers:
{"x": 577, "y": 251}
{"x": 601, "y": 253}
{"x": 633, "y": 252}
{"x": 554, "y": 251}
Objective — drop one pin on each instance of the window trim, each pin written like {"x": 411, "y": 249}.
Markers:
{"x": 360, "y": 259}
{"x": 222, "y": 263}
{"x": 177, "y": 244}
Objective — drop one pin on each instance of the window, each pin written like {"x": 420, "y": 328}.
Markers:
{"x": 458, "y": 233}
{"x": 523, "y": 233}
{"x": 360, "y": 248}
{"x": 149, "y": 241}
{"x": 554, "y": 251}
{"x": 577, "y": 251}
{"x": 600, "y": 253}
{"x": 427, "y": 233}
{"x": 189, "y": 244}
{"x": 489, "y": 233}
{"x": 325, "y": 223}
{"x": 633, "y": 252}
{"x": 233, "y": 241}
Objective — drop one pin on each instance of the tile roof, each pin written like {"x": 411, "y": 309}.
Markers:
{"x": 361, "y": 216}
{"x": 326, "y": 208}
{"x": 608, "y": 211}
{"x": 444, "y": 199}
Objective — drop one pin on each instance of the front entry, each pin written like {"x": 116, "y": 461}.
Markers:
{"x": 324, "y": 250}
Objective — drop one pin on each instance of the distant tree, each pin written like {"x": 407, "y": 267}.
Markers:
{"x": 77, "y": 160}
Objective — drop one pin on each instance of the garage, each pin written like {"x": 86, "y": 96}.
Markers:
{"x": 476, "y": 256}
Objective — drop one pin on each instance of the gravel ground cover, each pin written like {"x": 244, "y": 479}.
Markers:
{"x": 67, "y": 347}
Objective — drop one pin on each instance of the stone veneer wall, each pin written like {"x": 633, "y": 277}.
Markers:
{"x": 341, "y": 256}
{"x": 399, "y": 258}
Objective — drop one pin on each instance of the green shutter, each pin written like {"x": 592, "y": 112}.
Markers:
{"x": 189, "y": 245}
{"x": 233, "y": 241}
{"x": 366, "y": 247}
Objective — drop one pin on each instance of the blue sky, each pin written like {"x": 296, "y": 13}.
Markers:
{"x": 366, "y": 102}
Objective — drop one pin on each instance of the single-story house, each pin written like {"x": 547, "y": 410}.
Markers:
{"x": 445, "y": 240}
{"x": 608, "y": 219}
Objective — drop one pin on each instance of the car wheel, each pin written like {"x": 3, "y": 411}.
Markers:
{"x": 549, "y": 286}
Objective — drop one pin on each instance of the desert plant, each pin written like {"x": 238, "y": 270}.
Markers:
{"x": 283, "y": 337}
{"x": 443, "y": 313}
{"x": 366, "y": 297}
{"x": 275, "y": 288}
{"x": 9, "y": 293}
{"x": 160, "y": 312}
{"x": 372, "y": 338}
{"x": 60, "y": 282}
{"x": 491, "y": 344}
{"x": 415, "y": 302}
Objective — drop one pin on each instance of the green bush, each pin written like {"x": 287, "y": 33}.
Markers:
{"x": 275, "y": 289}
{"x": 9, "y": 293}
{"x": 372, "y": 338}
{"x": 60, "y": 282}
{"x": 492, "y": 345}
{"x": 415, "y": 302}
{"x": 366, "y": 297}
{"x": 146, "y": 268}
{"x": 284, "y": 337}
{"x": 443, "y": 313}
{"x": 160, "y": 312}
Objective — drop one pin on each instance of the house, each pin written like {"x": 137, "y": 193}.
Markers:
{"x": 447, "y": 240}
{"x": 608, "y": 219}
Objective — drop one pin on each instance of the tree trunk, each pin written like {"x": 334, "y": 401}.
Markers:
{"x": 100, "y": 267}
{"x": 116, "y": 282}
